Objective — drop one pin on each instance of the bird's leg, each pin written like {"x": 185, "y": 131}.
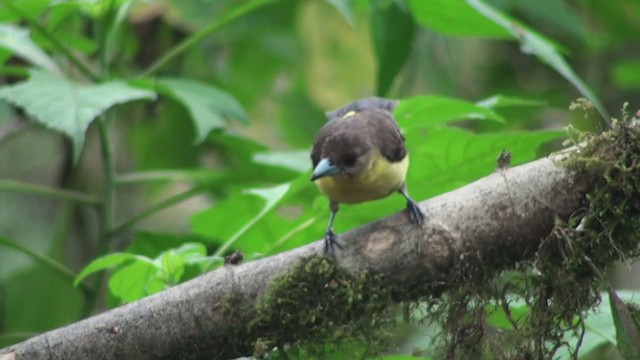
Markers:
{"x": 330, "y": 238}
{"x": 415, "y": 214}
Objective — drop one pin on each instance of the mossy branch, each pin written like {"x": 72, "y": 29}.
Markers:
{"x": 500, "y": 222}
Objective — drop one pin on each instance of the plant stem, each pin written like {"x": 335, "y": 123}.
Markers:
{"x": 65, "y": 195}
{"x": 43, "y": 261}
{"x": 110, "y": 177}
{"x": 154, "y": 209}
{"x": 49, "y": 36}
{"x": 201, "y": 34}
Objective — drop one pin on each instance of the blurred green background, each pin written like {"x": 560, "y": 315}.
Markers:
{"x": 210, "y": 147}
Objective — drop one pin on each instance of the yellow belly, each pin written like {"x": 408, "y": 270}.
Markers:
{"x": 379, "y": 180}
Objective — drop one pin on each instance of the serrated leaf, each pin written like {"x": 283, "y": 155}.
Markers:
{"x": 392, "y": 31}
{"x": 207, "y": 105}
{"x": 18, "y": 41}
{"x": 454, "y": 17}
{"x": 429, "y": 109}
{"x": 67, "y": 106}
{"x": 533, "y": 43}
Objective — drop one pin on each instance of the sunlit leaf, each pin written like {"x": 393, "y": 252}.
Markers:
{"x": 18, "y": 41}
{"x": 207, "y": 105}
{"x": 68, "y": 106}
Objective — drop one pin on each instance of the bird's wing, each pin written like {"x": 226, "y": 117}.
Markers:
{"x": 386, "y": 134}
{"x": 363, "y": 104}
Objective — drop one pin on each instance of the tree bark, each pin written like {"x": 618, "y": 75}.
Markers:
{"x": 500, "y": 220}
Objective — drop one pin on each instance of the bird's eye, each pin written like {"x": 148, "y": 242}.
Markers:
{"x": 349, "y": 160}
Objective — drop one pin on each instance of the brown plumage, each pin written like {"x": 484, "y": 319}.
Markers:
{"x": 360, "y": 155}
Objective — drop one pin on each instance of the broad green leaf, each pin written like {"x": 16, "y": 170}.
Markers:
{"x": 270, "y": 198}
{"x": 171, "y": 266}
{"x": 444, "y": 158}
{"x": 392, "y": 31}
{"x": 454, "y": 17}
{"x": 131, "y": 282}
{"x": 499, "y": 101}
{"x": 404, "y": 357}
{"x": 431, "y": 109}
{"x": 18, "y": 41}
{"x": 207, "y": 105}
{"x": 248, "y": 215}
{"x": 533, "y": 43}
{"x": 68, "y": 106}
{"x": 627, "y": 334}
{"x": 106, "y": 262}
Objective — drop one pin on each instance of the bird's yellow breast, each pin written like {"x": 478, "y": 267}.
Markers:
{"x": 379, "y": 179}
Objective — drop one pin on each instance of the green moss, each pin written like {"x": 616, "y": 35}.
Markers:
{"x": 317, "y": 307}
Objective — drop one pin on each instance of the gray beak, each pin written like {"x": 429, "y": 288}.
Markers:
{"x": 324, "y": 168}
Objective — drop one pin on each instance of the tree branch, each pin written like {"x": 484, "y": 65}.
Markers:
{"x": 500, "y": 220}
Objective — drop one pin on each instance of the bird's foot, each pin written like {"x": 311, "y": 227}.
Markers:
{"x": 415, "y": 214}
{"x": 331, "y": 242}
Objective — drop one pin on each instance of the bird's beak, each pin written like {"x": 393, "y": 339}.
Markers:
{"x": 324, "y": 168}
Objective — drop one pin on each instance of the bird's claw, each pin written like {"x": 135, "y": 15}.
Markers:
{"x": 330, "y": 242}
{"x": 415, "y": 214}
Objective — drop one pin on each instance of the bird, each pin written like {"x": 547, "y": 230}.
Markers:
{"x": 360, "y": 155}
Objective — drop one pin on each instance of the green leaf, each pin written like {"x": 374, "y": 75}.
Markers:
{"x": 344, "y": 8}
{"x": 68, "y": 106}
{"x": 404, "y": 357}
{"x": 252, "y": 211}
{"x": 297, "y": 161}
{"x": 134, "y": 281}
{"x": 454, "y": 17}
{"x": 430, "y": 109}
{"x": 626, "y": 331}
{"x": 30, "y": 296}
{"x": 207, "y": 105}
{"x": 500, "y": 101}
{"x": 626, "y": 74}
{"x": 599, "y": 325}
{"x": 447, "y": 158}
{"x": 104, "y": 262}
{"x": 17, "y": 40}
{"x": 533, "y": 43}
{"x": 392, "y": 31}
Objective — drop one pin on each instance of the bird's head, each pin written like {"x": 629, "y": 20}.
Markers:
{"x": 345, "y": 153}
